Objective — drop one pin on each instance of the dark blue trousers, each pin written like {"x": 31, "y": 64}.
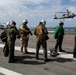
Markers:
{"x": 59, "y": 43}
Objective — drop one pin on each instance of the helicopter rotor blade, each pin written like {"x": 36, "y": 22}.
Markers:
{"x": 67, "y": 10}
{"x": 60, "y": 12}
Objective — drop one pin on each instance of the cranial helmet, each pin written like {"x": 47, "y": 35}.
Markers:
{"x": 12, "y": 23}
{"x": 8, "y": 23}
{"x": 25, "y": 21}
{"x": 61, "y": 23}
{"x": 43, "y": 22}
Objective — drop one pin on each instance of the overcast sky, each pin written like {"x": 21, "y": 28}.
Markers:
{"x": 35, "y": 10}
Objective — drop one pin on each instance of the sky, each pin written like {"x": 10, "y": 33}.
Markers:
{"x": 36, "y": 10}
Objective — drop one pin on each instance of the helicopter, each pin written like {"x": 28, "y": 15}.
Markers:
{"x": 66, "y": 15}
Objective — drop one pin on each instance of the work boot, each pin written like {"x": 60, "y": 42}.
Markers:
{"x": 61, "y": 50}
{"x": 74, "y": 56}
{"x": 46, "y": 60}
{"x": 26, "y": 52}
{"x": 21, "y": 51}
{"x": 11, "y": 61}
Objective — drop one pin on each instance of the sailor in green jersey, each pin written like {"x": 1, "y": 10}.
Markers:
{"x": 58, "y": 35}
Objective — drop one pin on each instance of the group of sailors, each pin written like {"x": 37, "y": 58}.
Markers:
{"x": 22, "y": 33}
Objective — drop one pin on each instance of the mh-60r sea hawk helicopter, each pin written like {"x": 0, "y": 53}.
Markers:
{"x": 66, "y": 15}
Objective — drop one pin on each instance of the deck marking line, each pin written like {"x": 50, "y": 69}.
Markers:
{"x": 8, "y": 72}
{"x": 62, "y": 54}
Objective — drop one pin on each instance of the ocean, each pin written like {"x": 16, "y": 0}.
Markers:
{"x": 53, "y": 28}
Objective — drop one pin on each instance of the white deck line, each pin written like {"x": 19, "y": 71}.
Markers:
{"x": 62, "y": 54}
{"x": 8, "y": 72}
